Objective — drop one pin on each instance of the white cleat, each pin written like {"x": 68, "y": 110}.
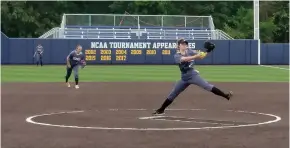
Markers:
{"x": 68, "y": 85}
{"x": 77, "y": 87}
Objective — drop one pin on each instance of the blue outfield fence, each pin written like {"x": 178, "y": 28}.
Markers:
{"x": 227, "y": 52}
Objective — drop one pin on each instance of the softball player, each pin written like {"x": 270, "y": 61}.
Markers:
{"x": 38, "y": 54}
{"x": 74, "y": 60}
{"x": 185, "y": 59}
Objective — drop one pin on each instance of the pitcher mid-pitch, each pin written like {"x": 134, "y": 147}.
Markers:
{"x": 185, "y": 59}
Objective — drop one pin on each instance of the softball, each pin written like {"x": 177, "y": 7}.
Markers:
{"x": 203, "y": 54}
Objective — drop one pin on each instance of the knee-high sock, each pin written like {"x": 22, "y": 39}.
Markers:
{"x": 165, "y": 104}
{"x": 68, "y": 73}
{"x": 218, "y": 92}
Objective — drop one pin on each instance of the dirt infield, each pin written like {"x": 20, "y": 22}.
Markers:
{"x": 118, "y": 115}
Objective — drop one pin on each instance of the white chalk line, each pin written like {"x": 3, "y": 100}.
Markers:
{"x": 192, "y": 121}
{"x": 275, "y": 67}
{"x": 142, "y": 109}
{"x": 30, "y": 120}
{"x": 202, "y": 122}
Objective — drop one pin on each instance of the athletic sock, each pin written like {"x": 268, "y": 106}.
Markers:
{"x": 218, "y": 92}
{"x": 165, "y": 104}
{"x": 77, "y": 81}
{"x": 68, "y": 73}
{"x": 66, "y": 79}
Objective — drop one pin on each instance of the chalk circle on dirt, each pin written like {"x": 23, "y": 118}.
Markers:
{"x": 222, "y": 124}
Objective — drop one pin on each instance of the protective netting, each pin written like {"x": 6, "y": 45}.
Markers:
{"x": 99, "y": 20}
{"x": 77, "y": 20}
{"x": 198, "y": 22}
{"x": 136, "y": 20}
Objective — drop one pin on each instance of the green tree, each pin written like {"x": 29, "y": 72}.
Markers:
{"x": 240, "y": 25}
{"x": 281, "y": 20}
{"x": 32, "y": 19}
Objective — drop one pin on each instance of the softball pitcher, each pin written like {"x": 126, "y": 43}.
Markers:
{"x": 74, "y": 61}
{"x": 38, "y": 54}
{"x": 185, "y": 59}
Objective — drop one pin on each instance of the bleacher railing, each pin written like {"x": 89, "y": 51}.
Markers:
{"x": 53, "y": 33}
{"x": 142, "y": 33}
{"x": 126, "y": 26}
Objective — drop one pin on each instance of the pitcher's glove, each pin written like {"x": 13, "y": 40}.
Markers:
{"x": 83, "y": 63}
{"x": 209, "y": 46}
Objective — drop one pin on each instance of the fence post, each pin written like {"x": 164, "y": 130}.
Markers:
{"x": 62, "y": 25}
{"x": 90, "y": 20}
{"x": 162, "y": 20}
{"x": 114, "y": 19}
{"x": 138, "y": 20}
{"x": 185, "y": 21}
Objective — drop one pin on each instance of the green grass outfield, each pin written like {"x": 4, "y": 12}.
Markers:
{"x": 121, "y": 73}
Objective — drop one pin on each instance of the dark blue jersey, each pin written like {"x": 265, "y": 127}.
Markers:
{"x": 75, "y": 59}
{"x": 186, "y": 68}
{"x": 39, "y": 50}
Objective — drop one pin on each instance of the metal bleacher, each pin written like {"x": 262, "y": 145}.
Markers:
{"x": 73, "y": 27}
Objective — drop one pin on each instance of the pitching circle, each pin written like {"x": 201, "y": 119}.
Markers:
{"x": 30, "y": 120}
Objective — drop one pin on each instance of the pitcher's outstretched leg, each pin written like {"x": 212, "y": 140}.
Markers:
{"x": 179, "y": 87}
{"x": 219, "y": 92}
{"x": 197, "y": 80}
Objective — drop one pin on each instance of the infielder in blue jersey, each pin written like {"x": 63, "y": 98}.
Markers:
{"x": 185, "y": 59}
{"x": 38, "y": 54}
{"x": 74, "y": 61}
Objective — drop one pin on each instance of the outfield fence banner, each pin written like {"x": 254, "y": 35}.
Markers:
{"x": 227, "y": 52}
